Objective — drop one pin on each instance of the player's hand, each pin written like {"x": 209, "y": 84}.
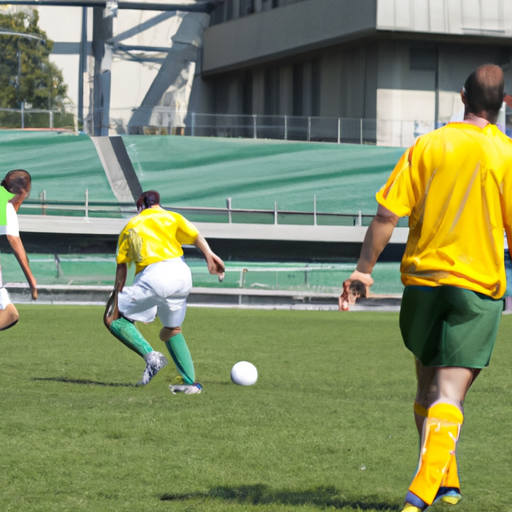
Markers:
{"x": 346, "y": 298}
{"x": 216, "y": 266}
{"x": 33, "y": 287}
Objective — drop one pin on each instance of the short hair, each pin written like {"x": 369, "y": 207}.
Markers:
{"x": 17, "y": 181}
{"x": 148, "y": 199}
{"x": 485, "y": 89}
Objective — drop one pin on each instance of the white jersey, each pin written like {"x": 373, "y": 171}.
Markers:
{"x": 12, "y": 227}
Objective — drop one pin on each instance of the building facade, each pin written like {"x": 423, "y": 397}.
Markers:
{"x": 398, "y": 63}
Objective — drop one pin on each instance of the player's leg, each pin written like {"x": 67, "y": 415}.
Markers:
{"x": 135, "y": 303}
{"x": 9, "y": 315}
{"x": 470, "y": 323}
{"x": 426, "y": 395}
{"x": 171, "y": 310}
{"x": 421, "y": 325}
{"x": 441, "y": 431}
{"x": 180, "y": 353}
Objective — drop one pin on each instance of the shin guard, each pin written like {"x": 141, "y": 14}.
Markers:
{"x": 451, "y": 477}
{"x": 439, "y": 440}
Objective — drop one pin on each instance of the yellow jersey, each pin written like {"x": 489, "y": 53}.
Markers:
{"x": 154, "y": 235}
{"x": 455, "y": 185}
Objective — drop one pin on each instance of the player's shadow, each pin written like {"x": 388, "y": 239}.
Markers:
{"x": 321, "y": 497}
{"x": 85, "y": 381}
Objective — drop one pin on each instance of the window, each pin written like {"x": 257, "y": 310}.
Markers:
{"x": 246, "y": 7}
{"x": 271, "y": 91}
{"x": 229, "y": 10}
{"x": 423, "y": 59}
{"x": 223, "y": 11}
{"x": 266, "y": 5}
{"x": 298, "y": 90}
{"x": 218, "y": 14}
{"x": 315, "y": 87}
{"x": 247, "y": 93}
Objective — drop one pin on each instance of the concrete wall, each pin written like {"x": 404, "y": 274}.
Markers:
{"x": 292, "y": 29}
{"x": 491, "y": 18}
{"x": 407, "y": 98}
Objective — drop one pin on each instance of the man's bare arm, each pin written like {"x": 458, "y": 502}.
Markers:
{"x": 111, "y": 309}
{"x": 21, "y": 255}
{"x": 215, "y": 264}
{"x": 121, "y": 274}
{"x": 377, "y": 237}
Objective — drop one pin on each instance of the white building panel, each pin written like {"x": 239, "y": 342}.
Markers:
{"x": 483, "y": 17}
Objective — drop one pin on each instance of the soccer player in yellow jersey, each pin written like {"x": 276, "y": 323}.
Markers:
{"x": 455, "y": 185}
{"x": 153, "y": 240}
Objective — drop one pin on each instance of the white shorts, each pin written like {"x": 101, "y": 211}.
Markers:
{"x": 4, "y": 298}
{"x": 160, "y": 289}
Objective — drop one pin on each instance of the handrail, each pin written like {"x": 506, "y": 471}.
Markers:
{"x": 46, "y": 207}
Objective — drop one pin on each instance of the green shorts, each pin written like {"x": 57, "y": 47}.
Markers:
{"x": 449, "y": 326}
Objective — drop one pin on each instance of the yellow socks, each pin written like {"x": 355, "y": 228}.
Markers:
{"x": 451, "y": 477}
{"x": 437, "y": 466}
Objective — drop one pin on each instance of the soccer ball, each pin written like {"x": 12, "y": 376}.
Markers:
{"x": 244, "y": 373}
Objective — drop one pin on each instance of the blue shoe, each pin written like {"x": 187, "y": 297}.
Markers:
{"x": 448, "y": 495}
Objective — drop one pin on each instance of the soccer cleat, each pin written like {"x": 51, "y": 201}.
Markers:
{"x": 448, "y": 496}
{"x": 155, "y": 361}
{"x": 187, "y": 389}
{"x": 411, "y": 508}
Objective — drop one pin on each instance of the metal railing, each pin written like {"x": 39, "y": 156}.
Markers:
{"x": 36, "y": 118}
{"x": 168, "y": 121}
{"x": 304, "y": 128}
{"x": 227, "y": 215}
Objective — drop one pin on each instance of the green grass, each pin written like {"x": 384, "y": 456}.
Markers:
{"x": 328, "y": 426}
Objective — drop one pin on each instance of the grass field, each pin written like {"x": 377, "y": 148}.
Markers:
{"x": 328, "y": 426}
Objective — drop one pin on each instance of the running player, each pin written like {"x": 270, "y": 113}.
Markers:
{"x": 153, "y": 240}
{"x": 14, "y": 189}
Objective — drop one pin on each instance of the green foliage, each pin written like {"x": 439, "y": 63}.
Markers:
{"x": 26, "y": 73}
{"x": 328, "y": 426}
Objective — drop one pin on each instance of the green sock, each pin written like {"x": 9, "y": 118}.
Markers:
{"x": 177, "y": 347}
{"x": 126, "y": 332}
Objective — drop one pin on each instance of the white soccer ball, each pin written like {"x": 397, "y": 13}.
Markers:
{"x": 244, "y": 373}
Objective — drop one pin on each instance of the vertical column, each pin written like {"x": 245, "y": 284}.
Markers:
{"x": 102, "y": 32}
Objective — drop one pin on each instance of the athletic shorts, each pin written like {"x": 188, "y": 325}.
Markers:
{"x": 160, "y": 289}
{"x": 449, "y": 326}
{"x": 4, "y": 298}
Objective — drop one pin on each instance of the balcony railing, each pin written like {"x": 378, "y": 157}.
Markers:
{"x": 227, "y": 215}
{"x": 167, "y": 121}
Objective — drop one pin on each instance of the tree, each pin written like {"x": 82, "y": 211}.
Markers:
{"x": 26, "y": 73}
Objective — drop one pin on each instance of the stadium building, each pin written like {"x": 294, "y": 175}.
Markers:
{"x": 373, "y": 71}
